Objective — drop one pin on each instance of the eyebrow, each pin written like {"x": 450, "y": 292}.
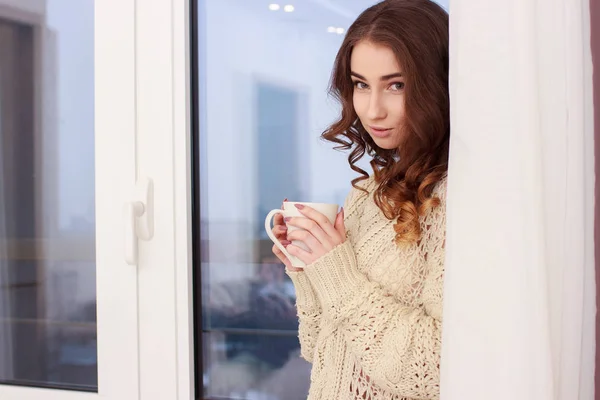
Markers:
{"x": 383, "y": 78}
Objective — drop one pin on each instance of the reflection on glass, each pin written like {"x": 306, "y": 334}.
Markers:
{"x": 262, "y": 301}
{"x": 255, "y": 367}
{"x": 265, "y": 105}
{"x": 47, "y": 226}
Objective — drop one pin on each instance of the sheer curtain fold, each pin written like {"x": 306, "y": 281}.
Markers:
{"x": 6, "y": 353}
{"x": 519, "y": 312}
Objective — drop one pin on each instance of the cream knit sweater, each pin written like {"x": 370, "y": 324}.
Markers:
{"x": 371, "y": 313}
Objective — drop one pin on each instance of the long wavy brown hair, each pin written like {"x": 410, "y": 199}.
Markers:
{"x": 417, "y": 32}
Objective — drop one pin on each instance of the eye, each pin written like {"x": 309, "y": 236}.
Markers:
{"x": 397, "y": 86}
{"x": 360, "y": 85}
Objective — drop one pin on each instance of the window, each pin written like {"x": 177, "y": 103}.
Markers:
{"x": 47, "y": 222}
{"x": 261, "y": 73}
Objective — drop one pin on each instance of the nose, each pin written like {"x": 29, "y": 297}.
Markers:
{"x": 376, "y": 108}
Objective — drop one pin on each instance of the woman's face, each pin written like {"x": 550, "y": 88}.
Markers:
{"x": 378, "y": 93}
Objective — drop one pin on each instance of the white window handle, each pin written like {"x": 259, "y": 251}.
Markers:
{"x": 139, "y": 219}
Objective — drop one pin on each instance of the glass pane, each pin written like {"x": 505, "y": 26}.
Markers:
{"x": 254, "y": 367}
{"x": 262, "y": 85}
{"x": 47, "y": 223}
{"x": 264, "y": 300}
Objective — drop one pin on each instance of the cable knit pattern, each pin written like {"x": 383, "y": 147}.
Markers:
{"x": 370, "y": 312}
{"x": 309, "y": 314}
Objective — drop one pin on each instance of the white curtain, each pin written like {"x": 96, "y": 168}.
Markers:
{"x": 6, "y": 340}
{"x": 519, "y": 307}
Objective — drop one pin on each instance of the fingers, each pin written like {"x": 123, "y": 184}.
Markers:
{"x": 339, "y": 223}
{"x": 309, "y": 240}
{"x": 279, "y": 254}
{"x": 278, "y": 219}
{"x": 320, "y": 219}
{"x": 311, "y": 226}
{"x": 280, "y": 231}
{"x": 302, "y": 254}
{"x": 279, "y": 227}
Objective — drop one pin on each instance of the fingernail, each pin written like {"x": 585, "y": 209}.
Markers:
{"x": 299, "y": 206}
{"x": 285, "y": 243}
{"x": 287, "y": 219}
{"x": 283, "y": 228}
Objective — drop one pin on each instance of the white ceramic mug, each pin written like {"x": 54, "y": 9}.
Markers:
{"x": 290, "y": 210}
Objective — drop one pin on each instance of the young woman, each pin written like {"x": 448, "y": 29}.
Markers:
{"x": 370, "y": 298}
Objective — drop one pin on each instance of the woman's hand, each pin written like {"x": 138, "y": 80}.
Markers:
{"x": 318, "y": 234}
{"x": 280, "y": 232}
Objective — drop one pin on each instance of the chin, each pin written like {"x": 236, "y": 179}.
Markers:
{"x": 386, "y": 143}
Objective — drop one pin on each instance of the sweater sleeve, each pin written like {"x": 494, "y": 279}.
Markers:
{"x": 397, "y": 347}
{"x": 308, "y": 304}
{"x": 309, "y": 314}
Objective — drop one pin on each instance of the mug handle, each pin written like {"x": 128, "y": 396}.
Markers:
{"x": 269, "y": 230}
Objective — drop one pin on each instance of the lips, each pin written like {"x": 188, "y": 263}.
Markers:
{"x": 380, "y": 132}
